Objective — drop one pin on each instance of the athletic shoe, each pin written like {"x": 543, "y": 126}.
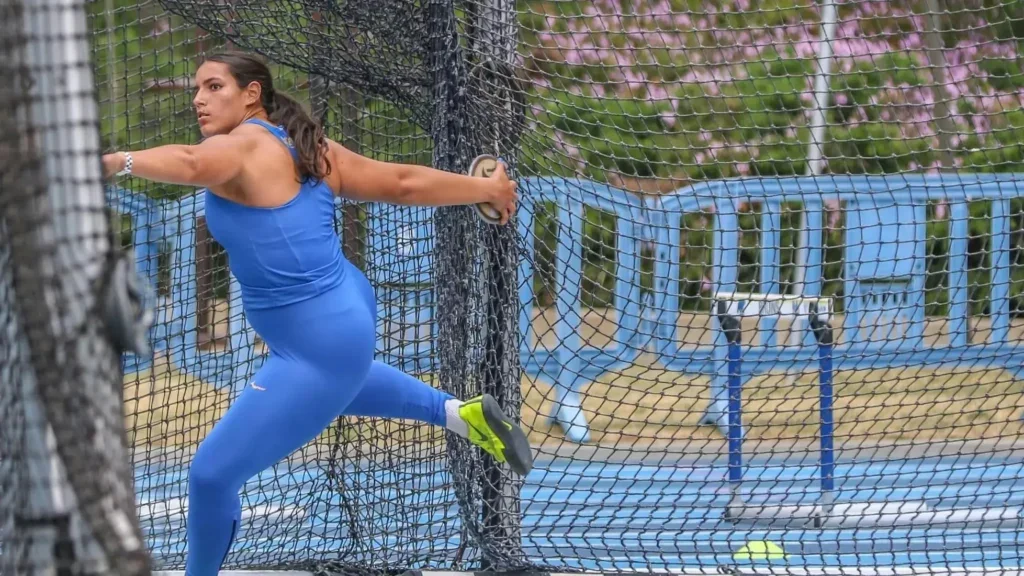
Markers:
{"x": 496, "y": 434}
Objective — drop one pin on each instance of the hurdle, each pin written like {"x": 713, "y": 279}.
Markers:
{"x": 729, "y": 309}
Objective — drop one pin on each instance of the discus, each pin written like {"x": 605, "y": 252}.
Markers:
{"x": 483, "y": 166}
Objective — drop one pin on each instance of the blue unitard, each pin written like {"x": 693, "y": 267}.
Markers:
{"x": 317, "y": 314}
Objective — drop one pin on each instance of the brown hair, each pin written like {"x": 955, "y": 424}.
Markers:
{"x": 305, "y": 132}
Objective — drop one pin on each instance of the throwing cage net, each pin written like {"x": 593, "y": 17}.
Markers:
{"x": 759, "y": 308}
{"x": 70, "y": 309}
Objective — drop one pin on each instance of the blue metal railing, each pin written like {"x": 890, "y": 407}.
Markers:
{"x": 883, "y": 275}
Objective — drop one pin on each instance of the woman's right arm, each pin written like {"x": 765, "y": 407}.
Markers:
{"x": 366, "y": 179}
{"x": 213, "y": 162}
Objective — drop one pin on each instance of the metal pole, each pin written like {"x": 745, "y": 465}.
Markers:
{"x": 60, "y": 244}
{"x": 42, "y": 517}
{"x": 937, "y": 65}
{"x": 453, "y": 253}
{"x": 825, "y": 337}
{"x": 495, "y": 48}
{"x": 41, "y": 512}
{"x": 815, "y": 148}
{"x": 731, "y": 328}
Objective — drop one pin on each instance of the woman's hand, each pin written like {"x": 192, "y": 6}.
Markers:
{"x": 505, "y": 195}
{"x": 113, "y": 163}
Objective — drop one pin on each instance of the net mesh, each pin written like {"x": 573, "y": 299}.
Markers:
{"x": 68, "y": 504}
{"x": 672, "y": 155}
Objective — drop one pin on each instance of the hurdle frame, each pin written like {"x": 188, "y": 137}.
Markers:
{"x": 826, "y": 512}
{"x": 729, "y": 307}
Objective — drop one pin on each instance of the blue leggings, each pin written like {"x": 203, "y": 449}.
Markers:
{"x": 320, "y": 367}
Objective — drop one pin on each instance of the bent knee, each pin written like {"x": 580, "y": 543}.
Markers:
{"x": 212, "y": 473}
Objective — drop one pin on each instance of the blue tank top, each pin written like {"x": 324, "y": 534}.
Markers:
{"x": 284, "y": 254}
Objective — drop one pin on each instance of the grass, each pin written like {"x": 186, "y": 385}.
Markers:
{"x": 645, "y": 405}
{"x": 165, "y": 408}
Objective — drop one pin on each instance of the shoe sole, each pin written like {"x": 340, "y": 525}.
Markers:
{"x": 517, "y": 446}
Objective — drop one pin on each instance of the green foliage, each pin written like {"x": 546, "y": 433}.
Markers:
{"x": 752, "y": 122}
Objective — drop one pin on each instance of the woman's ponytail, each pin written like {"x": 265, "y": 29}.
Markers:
{"x": 307, "y": 135}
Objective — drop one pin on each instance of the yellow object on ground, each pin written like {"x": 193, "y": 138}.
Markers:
{"x": 760, "y": 550}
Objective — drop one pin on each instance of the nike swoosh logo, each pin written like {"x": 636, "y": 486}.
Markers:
{"x": 257, "y": 387}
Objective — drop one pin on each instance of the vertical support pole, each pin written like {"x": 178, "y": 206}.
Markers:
{"x": 824, "y": 335}
{"x": 352, "y": 232}
{"x": 725, "y": 269}
{"x": 45, "y": 523}
{"x": 735, "y": 356}
{"x": 815, "y": 164}
{"x": 937, "y": 65}
{"x": 734, "y": 385}
{"x": 454, "y": 256}
{"x": 493, "y": 47}
{"x": 827, "y": 421}
{"x": 816, "y": 147}
{"x": 56, "y": 221}
{"x": 350, "y": 103}
{"x": 42, "y": 518}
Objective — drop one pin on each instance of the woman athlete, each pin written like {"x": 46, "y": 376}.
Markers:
{"x": 270, "y": 177}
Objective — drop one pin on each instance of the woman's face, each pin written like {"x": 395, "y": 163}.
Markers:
{"x": 220, "y": 103}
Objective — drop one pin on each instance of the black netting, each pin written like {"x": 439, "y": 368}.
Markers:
{"x": 68, "y": 504}
{"x": 381, "y": 49}
{"x": 760, "y": 306}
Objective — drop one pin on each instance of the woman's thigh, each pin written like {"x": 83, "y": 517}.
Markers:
{"x": 284, "y": 406}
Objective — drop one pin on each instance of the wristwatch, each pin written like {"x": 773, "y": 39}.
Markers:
{"x": 127, "y": 165}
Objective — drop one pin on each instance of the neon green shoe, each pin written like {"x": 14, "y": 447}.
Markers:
{"x": 496, "y": 434}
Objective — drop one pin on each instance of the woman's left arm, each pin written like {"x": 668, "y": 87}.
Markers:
{"x": 215, "y": 161}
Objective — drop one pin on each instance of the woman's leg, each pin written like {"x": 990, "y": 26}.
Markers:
{"x": 390, "y": 393}
{"x": 286, "y": 405}
{"x": 387, "y": 392}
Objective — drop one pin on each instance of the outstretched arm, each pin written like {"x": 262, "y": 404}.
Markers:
{"x": 213, "y": 162}
{"x": 366, "y": 179}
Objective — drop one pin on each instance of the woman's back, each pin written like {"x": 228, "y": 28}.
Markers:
{"x": 281, "y": 254}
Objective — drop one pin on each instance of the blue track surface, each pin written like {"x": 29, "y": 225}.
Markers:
{"x": 637, "y": 517}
